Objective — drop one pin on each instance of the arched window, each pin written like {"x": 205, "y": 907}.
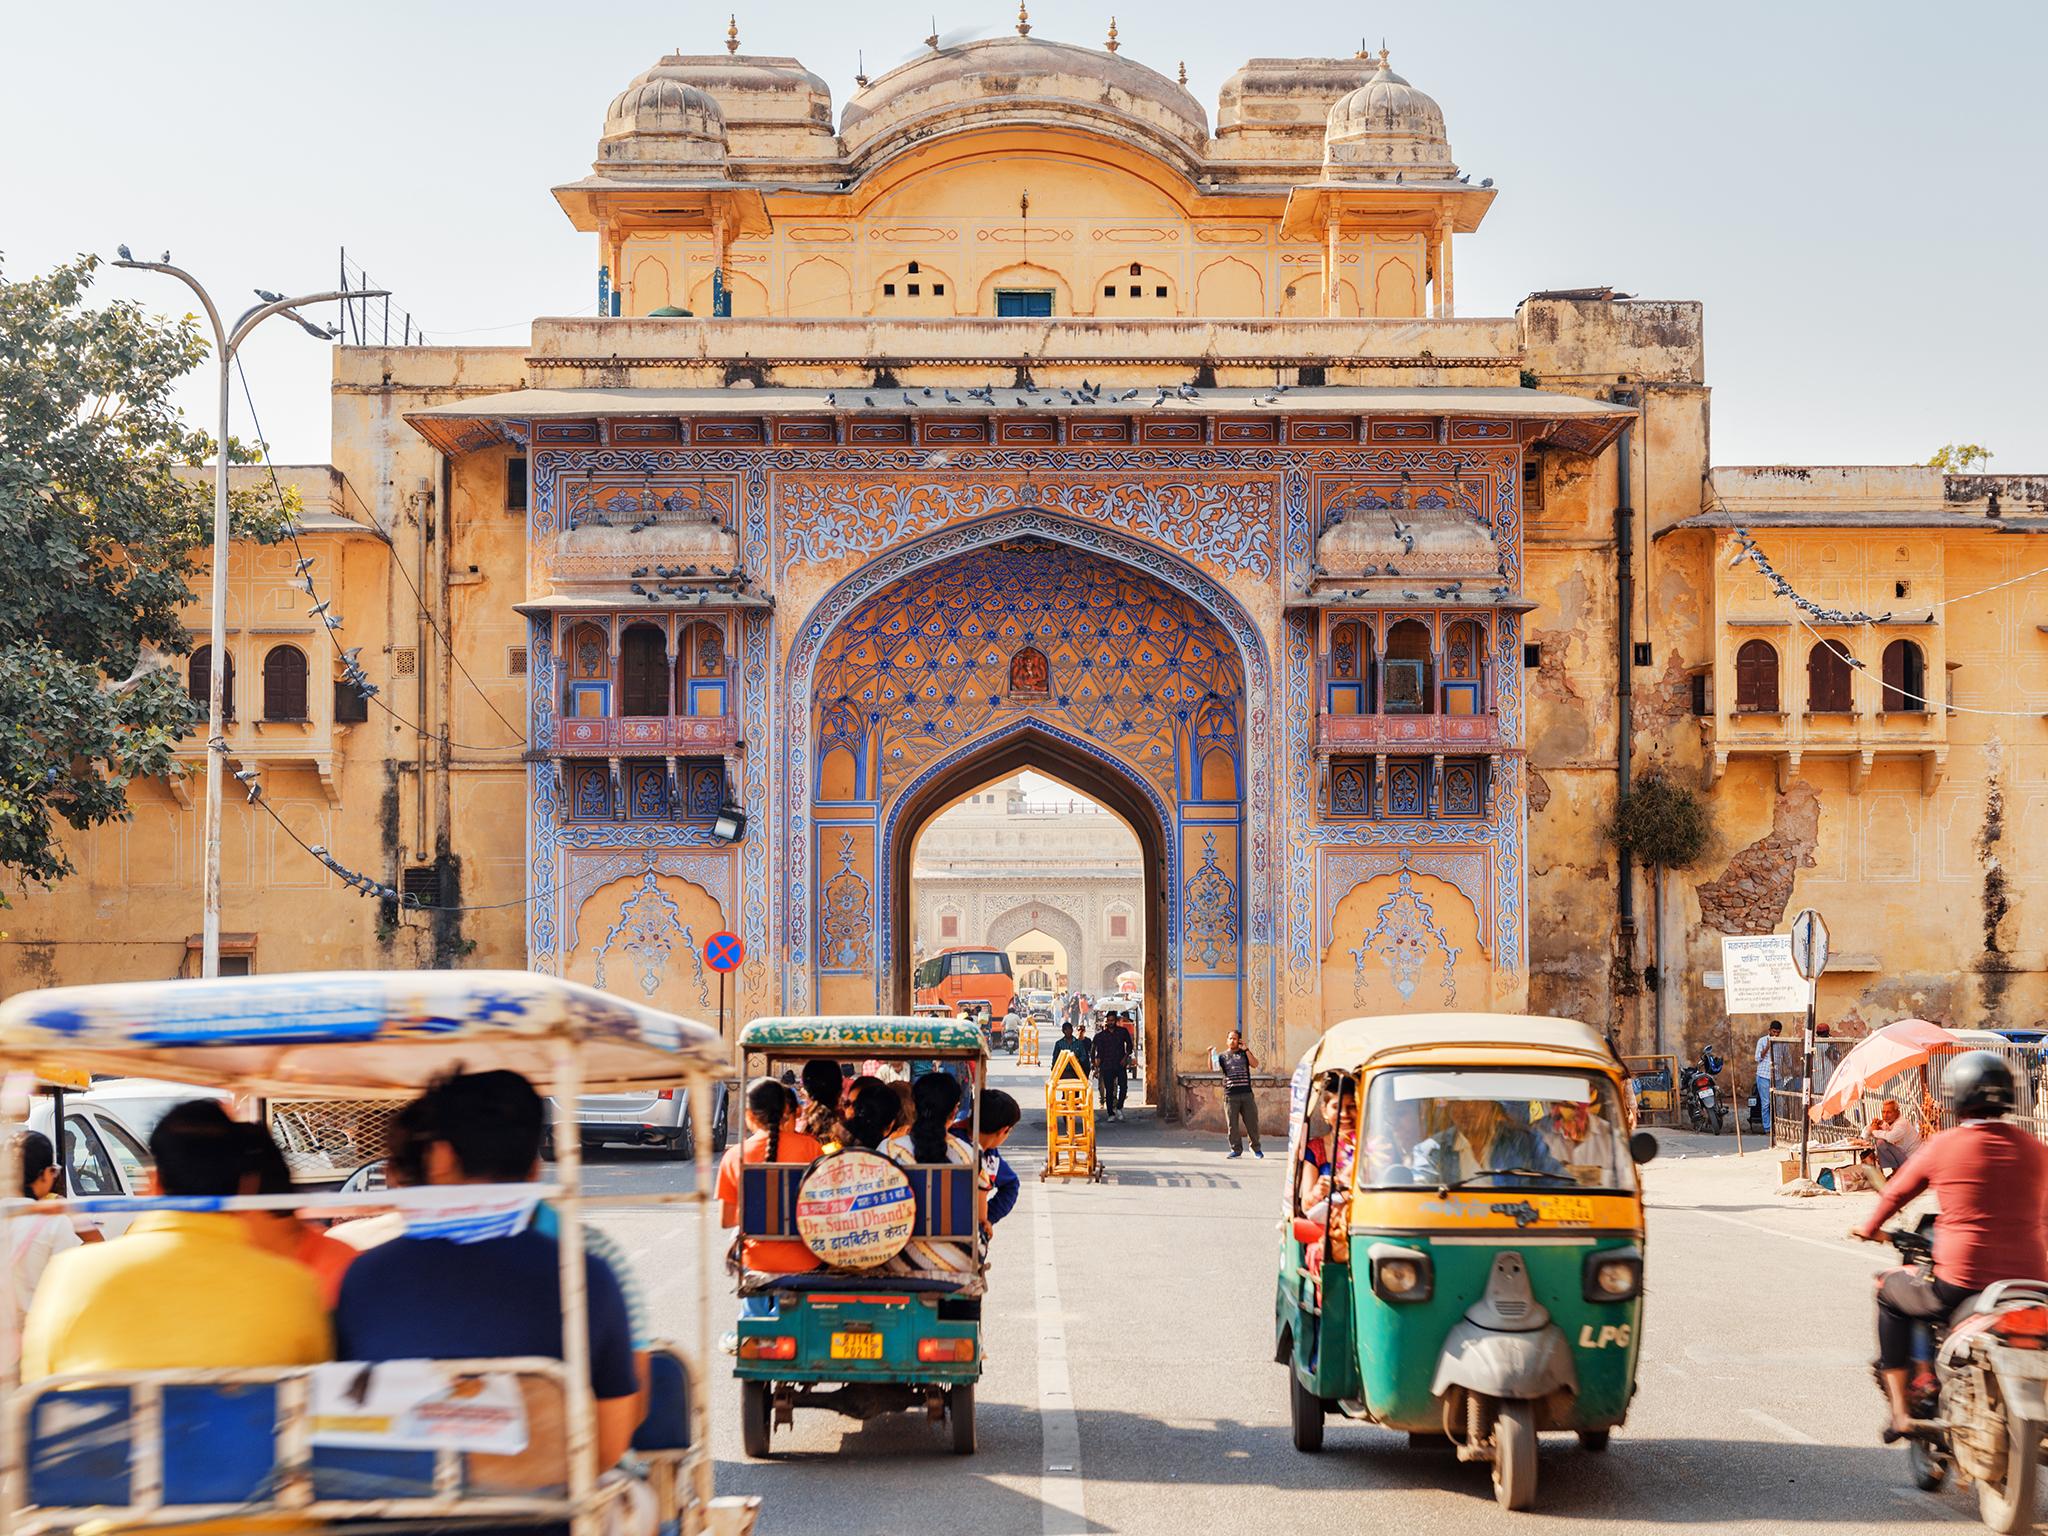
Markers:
{"x": 284, "y": 683}
{"x": 199, "y": 682}
{"x": 1905, "y": 678}
{"x": 700, "y": 670}
{"x": 1827, "y": 679}
{"x": 1408, "y": 682}
{"x": 1464, "y": 667}
{"x": 643, "y": 665}
{"x": 1756, "y": 678}
{"x": 1351, "y": 658}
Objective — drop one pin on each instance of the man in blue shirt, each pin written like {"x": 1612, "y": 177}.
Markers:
{"x": 437, "y": 1298}
{"x": 1000, "y": 1115}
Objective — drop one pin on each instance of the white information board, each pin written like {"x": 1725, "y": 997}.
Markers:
{"x": 1759, "y": 976}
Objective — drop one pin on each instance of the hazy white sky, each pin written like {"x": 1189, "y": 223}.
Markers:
{"x": 1854, "y": 189}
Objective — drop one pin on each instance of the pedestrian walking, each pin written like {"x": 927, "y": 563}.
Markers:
{"x": 1240, "y": 1109}
{"x": 1765, "y": 1070}
{"x": 1112, "y": 1065}
{"x": 1075, "y": 1045}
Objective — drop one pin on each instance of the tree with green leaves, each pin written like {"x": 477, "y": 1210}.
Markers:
{"x": 1961, "y": 458}
{"x": 98, "y": 527}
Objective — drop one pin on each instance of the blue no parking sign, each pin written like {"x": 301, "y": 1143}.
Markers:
{"x": 724, "y": 951}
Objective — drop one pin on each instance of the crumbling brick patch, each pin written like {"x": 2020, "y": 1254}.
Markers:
{"x": 1751, "y": 895}
{"x": 1539, "y": 791}
{"x": 1665, "y": 702}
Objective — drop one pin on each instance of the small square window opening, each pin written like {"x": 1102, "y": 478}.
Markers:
{"x": 914, "y": 290}
{"x": 938, "y": 290}
{"x": 888, "y": 290}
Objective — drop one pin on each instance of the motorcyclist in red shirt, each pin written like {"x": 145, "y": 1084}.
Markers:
{"x": 1991, "y": 1178}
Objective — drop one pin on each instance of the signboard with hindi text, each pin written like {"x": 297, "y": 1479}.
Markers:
{"x": 1758, "y": 975}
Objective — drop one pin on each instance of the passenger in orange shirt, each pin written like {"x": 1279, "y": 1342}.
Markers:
{"x": 771, "y": 1138}
{"x": 280, "y": 1231}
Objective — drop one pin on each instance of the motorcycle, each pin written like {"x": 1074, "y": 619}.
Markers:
{"x": 1699, "y": 1096}
{"x": 1980, "y": 1386}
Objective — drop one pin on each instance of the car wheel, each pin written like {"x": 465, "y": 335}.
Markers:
{"x": 960, "y": 1409}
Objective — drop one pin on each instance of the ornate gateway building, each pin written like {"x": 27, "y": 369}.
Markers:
{"x": 1025, "y": 418}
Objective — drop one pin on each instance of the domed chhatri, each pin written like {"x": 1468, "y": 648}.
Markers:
{"x": 1385, "y": 129}
{"x": 660, "y": 122}
{"x": 1028, "y": 75}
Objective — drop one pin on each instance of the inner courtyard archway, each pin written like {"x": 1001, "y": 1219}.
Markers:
{"x": 1116, "y": 791}
{"x": 1123, "y": 679}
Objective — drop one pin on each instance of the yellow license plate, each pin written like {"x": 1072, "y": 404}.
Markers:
{"x": 856, "y": 1346}
{"x": 1565, "y": 1210}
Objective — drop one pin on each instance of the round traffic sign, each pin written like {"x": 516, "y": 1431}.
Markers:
{"x": 724, "y": 951}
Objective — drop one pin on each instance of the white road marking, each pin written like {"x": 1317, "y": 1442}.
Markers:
{"x": 1839, "y": 1247}
{"x": 1780, "y": 1428}
{"x": 1062, "y": 1496}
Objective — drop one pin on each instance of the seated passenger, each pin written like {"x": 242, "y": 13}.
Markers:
{"x": 934, "y": 1098}
{"x": 281, "y": 1231}
{"x": 435, "y": 1298}
{"x": 871, "y": 1113}
{"x": 1326, "y": 1160}
{"x": 1474, "y": 1138}
{"x": 823, "y": 1088}
{"x": 33, "y": 1240}
{"x": 1000, "y": 1115}
{"x": 178, "y": 1289}
{"x": 1578, "y": 1137}
{"x": 768, "y": 1140}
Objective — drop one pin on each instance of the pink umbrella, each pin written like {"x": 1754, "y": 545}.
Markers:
{"x": 1882, "y": 1056}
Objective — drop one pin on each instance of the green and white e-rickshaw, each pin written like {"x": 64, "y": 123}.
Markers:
{"x": 311, "y": 1447}
{"x": 865, "y": 1333}
{"x": 1474, "y": 1266}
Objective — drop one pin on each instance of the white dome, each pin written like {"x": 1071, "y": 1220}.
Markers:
{"x": 1387, "y": 127}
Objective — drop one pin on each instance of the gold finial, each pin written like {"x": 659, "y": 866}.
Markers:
{"x": 860, "y": 69}
{"x": 1183, "y": 71}
{"x": 1364, "y": 50}
{"x": 1384, "y": 62}
{"x": 732, "y": 34}
{"x": 1023, "y": 19}
{"x": 1112, "y": 44}
{"x": 932, "y": 42}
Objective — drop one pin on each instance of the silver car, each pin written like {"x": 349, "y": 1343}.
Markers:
{"x": 646, "y": 1118}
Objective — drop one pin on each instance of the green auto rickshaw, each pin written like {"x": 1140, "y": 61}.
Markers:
{"x": 1463, "y": 1236}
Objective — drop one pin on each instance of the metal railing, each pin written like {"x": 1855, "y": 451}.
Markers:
{"x": 1918, "y": 1092}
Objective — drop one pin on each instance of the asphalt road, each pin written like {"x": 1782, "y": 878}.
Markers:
{"x": 1131, "y": 1386}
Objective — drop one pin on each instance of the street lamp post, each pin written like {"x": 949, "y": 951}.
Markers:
{"x": 226, "y": 341}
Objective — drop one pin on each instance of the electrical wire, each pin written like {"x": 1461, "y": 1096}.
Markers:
{"x": 419, "y": 601}
{"x": 1861, "y": 668}
{"x": 406, "y": 903}
{"x": 1996, "y": 585}
{"x": 305, "y": 566}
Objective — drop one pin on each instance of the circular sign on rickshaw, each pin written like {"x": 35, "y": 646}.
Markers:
{"x": 855, "y": 1210}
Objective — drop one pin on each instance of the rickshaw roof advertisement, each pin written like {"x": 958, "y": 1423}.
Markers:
{"x": 1357, "y": 1042}
{"x": 866, "y": 1035}
{"x": 354, "y": 1032}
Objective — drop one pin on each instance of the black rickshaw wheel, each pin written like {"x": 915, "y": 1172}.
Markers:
{"x": 757, "y": 1407}
{"x": 1306, "y": 1410}
{"x": 1929, "y": 1470}
{"x": 1594, "y": 1440}
{"x": 960, "y": 1409}
{"x": 1514, "y": 1456}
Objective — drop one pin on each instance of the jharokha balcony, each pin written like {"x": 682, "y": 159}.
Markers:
{"x": 646, "y": 735}
{"x": 1365, "y": 734}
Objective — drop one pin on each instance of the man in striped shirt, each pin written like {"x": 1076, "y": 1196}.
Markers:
{"x": 1240, "y": 1109}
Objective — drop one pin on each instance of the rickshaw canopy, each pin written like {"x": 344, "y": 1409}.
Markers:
{"x": 1484, "y": 1039}
{"x": 865, "y": 1035}
{"x": 353, "y": 1033}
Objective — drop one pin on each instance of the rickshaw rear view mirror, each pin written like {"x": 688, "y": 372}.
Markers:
{"x": 1642, "y": 1146}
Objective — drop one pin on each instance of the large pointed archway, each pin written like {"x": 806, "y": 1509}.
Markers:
{"x": 1023, "y": 641}
{"x": 1056, "y": 755}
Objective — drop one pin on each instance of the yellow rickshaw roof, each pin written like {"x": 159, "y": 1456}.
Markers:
{"x": 1357, "y": 1042}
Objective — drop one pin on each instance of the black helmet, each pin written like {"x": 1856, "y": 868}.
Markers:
{"x": 1977, "y": 1085}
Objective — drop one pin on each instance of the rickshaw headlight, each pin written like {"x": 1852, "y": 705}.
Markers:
{"x": 1401, "y": 1274}
{"x": 1615, "y": 1275}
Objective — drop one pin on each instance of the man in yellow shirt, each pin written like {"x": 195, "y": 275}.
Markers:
{"x": 179, "y": 1288}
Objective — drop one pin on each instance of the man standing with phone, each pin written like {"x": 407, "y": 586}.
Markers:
{"x": 1765, "y": 1071}
{"x": 1240, "y": 1109}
